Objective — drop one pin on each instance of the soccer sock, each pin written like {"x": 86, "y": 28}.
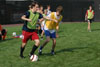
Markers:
{"x": 41, "y": 47}
{"x": 52, "y": 50}
{"x": 33, "y": 49}
{"x": 21, "y": 51}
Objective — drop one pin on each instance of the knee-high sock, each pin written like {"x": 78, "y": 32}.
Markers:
{"x": 33, "y": 49}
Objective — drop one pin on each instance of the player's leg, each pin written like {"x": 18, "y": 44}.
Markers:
{"x": 89, "y": 26}
{"x": 44, "y": 44}
{"x": 42, "y": 34}
{"x": 22, "y": 49}
{"x": 47, "y": 33}
{"x": 53, "y": 46}
{"x": 37, "y": 42}
{"x": 4, "y": 32}
{"x": 24, "y": 42}
{"x": 53, "y": 36}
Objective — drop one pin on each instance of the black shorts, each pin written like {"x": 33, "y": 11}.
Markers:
{"x": 89, "y": 20}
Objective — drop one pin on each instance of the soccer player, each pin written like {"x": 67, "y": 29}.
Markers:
{"x": 3, "y": 33}
{"x": 40, "y": 10}
{"x": 29, "y": 28}
{"x": 50, "y": 28}
{"x": 48, "y": 9}
{"x": 43, "y": 23}
{"x": 89, "y": 17}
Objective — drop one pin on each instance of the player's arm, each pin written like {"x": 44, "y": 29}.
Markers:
{"x": 41, "y": 17}
{"x": 26, "y": 19}
{"x": 49, "y": 18}
{"x": 86, "y": 15}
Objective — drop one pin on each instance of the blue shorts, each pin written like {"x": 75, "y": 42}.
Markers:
{"x": 51, "y": 35}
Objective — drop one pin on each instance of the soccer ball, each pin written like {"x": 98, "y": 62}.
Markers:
{"x": 14, "y": 34}
{"x": 21, "y": 36}
{"x": 34, "y": 58}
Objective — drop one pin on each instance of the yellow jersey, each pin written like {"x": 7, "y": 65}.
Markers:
{"x": 51, "y": 24}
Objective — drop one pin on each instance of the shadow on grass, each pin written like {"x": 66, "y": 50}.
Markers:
{"x": 46, "y": 54}
{"x": 60, "y": 36}
{"x": 95, "y": 29}
{"x": 70, "y": 49}
{"x": 6, "y": 40}
{"x": 60, "y": 31}
{"x": 64, "y": 50}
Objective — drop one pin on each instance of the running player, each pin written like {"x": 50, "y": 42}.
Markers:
{"x": 48, "y": 9}
{"x": 89, "y": 17}
{"x": 29, "y": 28}
{"x": 50, "y": 28}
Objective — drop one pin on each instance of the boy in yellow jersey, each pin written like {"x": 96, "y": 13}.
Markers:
{"x": 89, "y": 17}
{"x": 50, "y": 28}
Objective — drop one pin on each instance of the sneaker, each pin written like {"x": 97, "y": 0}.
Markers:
{"x": 52, "y": 52}
{"x": 89, "y": 30}
{"x": 40, "y": 52}
{"x": 41, "y": 38}
{"x": 22, "y": 56}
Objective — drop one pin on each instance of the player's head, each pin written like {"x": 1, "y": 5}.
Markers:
{"x": 48, "y": 7}
{"x": 34, "y": 6}
{"x": 90, "y": 7}
{"x": 29, "y": 7}
{"x": 41, "y": 7}
{"x": 45, "y": 11}
{"x": 59, "y": 10}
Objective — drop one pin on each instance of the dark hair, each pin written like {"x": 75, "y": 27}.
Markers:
{"x": 60, "y": 9}
{"x": 48, "y": 5}
{"x": 33, "y": 4}
{"x": 40, "y": 6}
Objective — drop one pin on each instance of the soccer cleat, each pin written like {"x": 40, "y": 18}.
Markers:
{"x": 41, "y": 38}
{"x": 52, "y": 52}
{"x": 22, "y": 56}
{"x": 40, "y": 52}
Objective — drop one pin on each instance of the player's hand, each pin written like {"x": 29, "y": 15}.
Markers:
{"x": 56, "y": 21}
{"x": 85, "y": 19}
{"x": 29, "y": 20}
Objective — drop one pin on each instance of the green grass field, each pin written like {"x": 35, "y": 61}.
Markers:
{"x": 76, "y": 47}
